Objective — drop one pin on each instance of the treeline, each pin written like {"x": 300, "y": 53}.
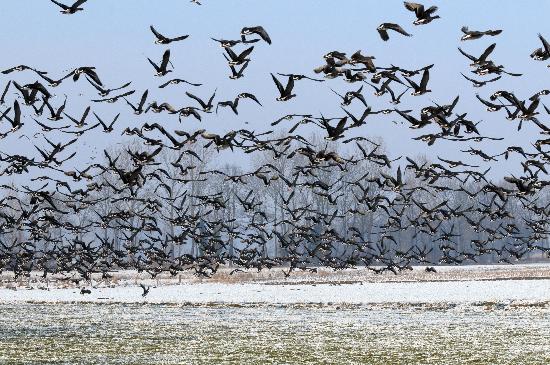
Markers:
{"x": 313, "y": 206}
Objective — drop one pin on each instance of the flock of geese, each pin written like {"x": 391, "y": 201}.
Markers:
{"x": 127, "y": 206}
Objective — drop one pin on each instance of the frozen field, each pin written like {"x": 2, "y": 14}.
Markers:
{"x": 457, "y": 292}
{"x": 459, "y": 285}
{"x": 174, "y": 334}
{"x": 473, "y": 315}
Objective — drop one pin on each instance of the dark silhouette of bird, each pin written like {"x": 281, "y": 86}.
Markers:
{"x": 177, "y": 81}
{"x": 285, "y": 92}
{"x": 70, "y": 9}
{"x": 384, "y": 27}
{"x": 165, "y": 40}
{"x": 206, "y": 106}
{"x": 542, "y": 53}
{"x": 145, "y": 289}
{"x": 259, "y": 30}
{"x": 238, "y": 59}
{"x": 474, "y": 34}
{"x": 162, "y": 70}
{"x": 423, "y": 15}
{"x": 422, "y": 88}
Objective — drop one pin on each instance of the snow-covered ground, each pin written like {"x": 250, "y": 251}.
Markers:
{"x": 367, "y": 293}
{"x": 473, "y": 284}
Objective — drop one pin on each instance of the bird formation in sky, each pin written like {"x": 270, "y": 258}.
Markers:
{"x": 314, "y": 203}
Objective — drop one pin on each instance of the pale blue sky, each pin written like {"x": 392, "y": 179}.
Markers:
{"x": 114, "y": 36}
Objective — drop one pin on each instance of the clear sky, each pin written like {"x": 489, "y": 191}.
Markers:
{"x": 114, "y": 36}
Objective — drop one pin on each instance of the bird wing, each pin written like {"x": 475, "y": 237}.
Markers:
{"x": 408, "y": 117}
{"x": 213, "y": 96}
{"x": 231, "y": 54}
{"x": 495, "y": 79}
{"x": 61, "y": 108}
{"x": 413, "y": 84}
{"x": 289, "y": 85}
{"x": 153, "y": 64}
{"x": 246, "y": 52}
{"x": 78, "y": 3}
{"x": 5, "y": 114}
{"x": 279, "y": 85}
{"x": 485, "y": 102}
{"x": 383, "y": 34}
{"x": 432, "y": 9}
{"x": 5, "y": 92}
{"x": 540, "y": 125}
{"x": 487, "y": 52}
{"x": 399, "y": 177}
{"x": 165, "y": 60}
{"x": 96, "y": 86}
{"x": 85, "y": 115}
{"x": 341, "y": 125}
{"x": 17, "y": 111}
{"x": 157, "y": 34}
{"x": 533, "y": 106}
{"x": 100, "y": 121}
{"x": 143, "y": 98}
{"x": 94, "y": 76}
{"x": 469, "y": 79}
{"x": 114, "y": 120}
{"x": 244, "y": 66}
{"x": 199, "y": 100}
{"x": 128, "y": 93}
{"x": 465, "y": 30}
{"x": 397, "y": 28}
{"x": 253, "y": 97}
{"x": 472, "y": 58}
{"x": 63, "y": 6}
{"x": 425, "y": 79}
{"x": 545, "y": 44}
{"x": 262, "y": 33}
{"x": 335, "y": 92}
{"x": 165, "y": 84}
{"x": 180, "y": 38}
{"x": 418, "y": 9}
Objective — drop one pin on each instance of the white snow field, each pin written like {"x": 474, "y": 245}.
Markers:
{"x": 368, "y": 293}
{"x": 474, "y": 315}
{"x": 502, "y": 284}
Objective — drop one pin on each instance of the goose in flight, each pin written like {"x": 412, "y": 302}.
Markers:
{"x": 139, "y": 108}
{"x": 543, "y": 53}
{"x": 423, "y": 15}
{"x": 16, "y": 121}
{"x": 422, "y": 88}
{"x": 285, "y": 92}
{"x": 481, "y": 60}
{"x": 478, "y": 83}
{"x": 70, "y": 9}
{"x": 206, "y": 106}
{"x": 165, "y": 40}
{"x": 240, "y": 58}
{"x": 237, "y": 74}
{"x": 162, "y": 69}
{"x": 384, "y": 27}
{"x": 297, "y": 77}
{"x": 259, "y": 30}
{"x": 145, "y": 288}
{"x": 474, "y": 34}
{"x": 227, "y": 43}
{"x": 177, "y": 81}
